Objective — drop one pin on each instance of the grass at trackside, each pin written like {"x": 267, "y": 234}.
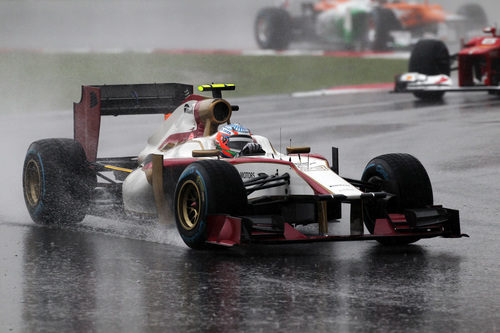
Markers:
{"x": 33, "y": 82}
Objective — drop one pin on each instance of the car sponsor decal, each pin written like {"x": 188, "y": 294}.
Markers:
{"x": 247, "y": 175}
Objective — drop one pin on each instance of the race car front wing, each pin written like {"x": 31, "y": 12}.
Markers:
{"x": 420, "y": 223}
{"x": 416, "y": 82}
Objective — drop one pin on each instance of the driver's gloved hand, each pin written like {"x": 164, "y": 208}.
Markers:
{"x": 252, "y": 149}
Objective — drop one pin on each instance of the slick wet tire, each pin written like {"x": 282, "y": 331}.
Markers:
{"x": 273, "y": 29}
{"x": 57, "y": 181}
{"x": 204, "y": 188}
{"x": 430, "y": 57}
{"x": 405, "y": 178}
{"x": 384, "y": 21}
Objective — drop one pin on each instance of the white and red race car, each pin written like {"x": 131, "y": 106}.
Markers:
{"x": 259, "y": 196}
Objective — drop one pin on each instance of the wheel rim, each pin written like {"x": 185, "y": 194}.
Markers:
{"x": 263, "y": 31}
{"x": 32, "y": 183}
{"x": 189, "y": 205}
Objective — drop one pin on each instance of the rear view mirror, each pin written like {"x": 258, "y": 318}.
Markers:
{"x": 490, "y": 30}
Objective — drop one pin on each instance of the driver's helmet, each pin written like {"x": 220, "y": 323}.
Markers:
{"x": 231, "y": 139}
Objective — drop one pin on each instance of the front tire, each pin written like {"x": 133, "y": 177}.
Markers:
{"x": 57, "y": 181}
{"x": 430, "y": 57}
{"x": 273, "y": 29}
{"x": 403, "y": 176}
{"x": 206, "y": 187}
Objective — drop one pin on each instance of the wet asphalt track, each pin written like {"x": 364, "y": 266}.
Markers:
{"x": 112, "y": 276}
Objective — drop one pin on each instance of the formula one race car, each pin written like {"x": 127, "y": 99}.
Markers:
{"x": 417, "y": 20}
{"x": 223, "y": 186}
{"x": 430, "y": 67}
{"x": 362, "y": 24}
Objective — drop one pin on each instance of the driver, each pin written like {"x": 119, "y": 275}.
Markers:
{"x": 233, "y": 140}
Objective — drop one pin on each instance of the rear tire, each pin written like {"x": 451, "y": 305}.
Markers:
{"x": 206, "y": 187}
{"x": 57, "y": 181}
{"x": 430, "y": 57}
{"x": 403, "y": 176}
{"x": 273, "y": 29}
{"x": 384, "y": 21}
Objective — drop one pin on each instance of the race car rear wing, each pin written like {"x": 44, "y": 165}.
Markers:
{"x": 126, "y": 99}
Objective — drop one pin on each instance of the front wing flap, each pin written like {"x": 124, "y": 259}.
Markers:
{"x": 416, "y": 82}
{"x": 417, "y": 223}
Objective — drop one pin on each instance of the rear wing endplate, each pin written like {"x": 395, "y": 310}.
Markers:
{"x": 126, "y": 99}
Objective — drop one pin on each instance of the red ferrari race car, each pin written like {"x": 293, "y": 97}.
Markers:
{"x": 220, "y": 183}
{"x": 430, "y": 66}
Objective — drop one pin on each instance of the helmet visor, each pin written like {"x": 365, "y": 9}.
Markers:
{"x": 237, "y": 142}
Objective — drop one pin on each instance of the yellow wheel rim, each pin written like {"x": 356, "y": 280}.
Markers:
{"x": 189, "y": 205}
{"x": 32, "y": 183}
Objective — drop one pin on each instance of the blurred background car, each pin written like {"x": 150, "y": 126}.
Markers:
{"x": 363, "y": 24}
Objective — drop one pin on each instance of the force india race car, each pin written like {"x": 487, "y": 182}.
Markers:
{"x": 430, "y": 66}
{"x": 259, "y": 196}
{"x": 363, "y": 24}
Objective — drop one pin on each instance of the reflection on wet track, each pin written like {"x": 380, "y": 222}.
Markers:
{"x": 85, "y": 282}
